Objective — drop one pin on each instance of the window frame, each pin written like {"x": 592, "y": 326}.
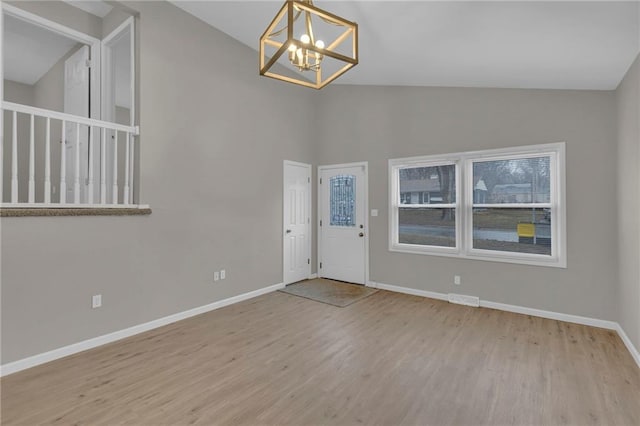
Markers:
{"x": 395, "y": 203}
{"x": 464, "y": 204}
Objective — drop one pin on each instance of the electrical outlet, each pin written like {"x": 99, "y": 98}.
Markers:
{"x": 456, "y": 279}
{"x": 216, "y": 276}
{"x": 223, "y": 274}
{"x": 96, "y": 301}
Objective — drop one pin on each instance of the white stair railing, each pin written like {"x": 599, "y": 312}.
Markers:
{"x": 85, "y": 190}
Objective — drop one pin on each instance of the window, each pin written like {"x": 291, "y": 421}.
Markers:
{"x": 500, "y": 205}
{"x": 342, "y": 200}
{"x": 513, "y": 213}
{"x": 427, "y": 210}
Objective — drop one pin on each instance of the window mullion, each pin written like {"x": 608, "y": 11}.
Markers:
{"x": 468, "y": 206}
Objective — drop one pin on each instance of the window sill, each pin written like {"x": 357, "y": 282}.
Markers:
{"x": 33, "y": 212}
{"x": 481, "y": 255}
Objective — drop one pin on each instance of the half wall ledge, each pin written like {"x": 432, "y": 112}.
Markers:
{"x": 31, "y": 212}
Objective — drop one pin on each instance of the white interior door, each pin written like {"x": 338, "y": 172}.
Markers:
{"x": 76, "y": 101}
{"x": 297, "y": 222}
{"x": 342, "y": 212}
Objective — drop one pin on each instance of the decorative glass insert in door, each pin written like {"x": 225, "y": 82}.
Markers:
{"x": 342, "y": 200}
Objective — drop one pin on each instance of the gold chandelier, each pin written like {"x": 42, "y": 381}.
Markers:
{"x": 319, "y": 48}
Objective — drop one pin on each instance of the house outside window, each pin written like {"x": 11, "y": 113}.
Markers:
{"x": 499, "y": 205}
{"x": 428, "y": 196}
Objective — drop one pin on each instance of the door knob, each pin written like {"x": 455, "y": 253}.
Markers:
{"x": 288, "y": 231}
{"x": 361, "y": 234}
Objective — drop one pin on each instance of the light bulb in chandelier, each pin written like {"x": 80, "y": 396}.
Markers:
{"x": 292, "y": 52}
{"x": 305, "y": 38}
{"x": 319, "y": 56}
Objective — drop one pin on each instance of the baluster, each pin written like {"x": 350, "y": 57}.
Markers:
{"x": 47, "y": 163}
{"x": 133, "y": 168}
{"x": 90, "y": 179}
{"x": 14, "y": 159}
{"x": 2, "y": 155}
{"x": 76, "y": 175}
{"x": 114, "y": 189}
{"x": 103, "y": 167}
{"x": 32, "y": 161}
{"x": 63, "y": 164}
{"x": 125, "y": 196}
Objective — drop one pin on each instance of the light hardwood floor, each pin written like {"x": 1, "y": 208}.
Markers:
{"x": 386, "y": 360}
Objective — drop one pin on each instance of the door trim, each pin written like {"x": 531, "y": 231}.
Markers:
{"x": 365, "y": 165}
{"x": 286, "y": 163}
{"x": 107, "y": 63}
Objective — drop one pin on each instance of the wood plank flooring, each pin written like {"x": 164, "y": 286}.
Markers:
{"x": 389, "y": 359}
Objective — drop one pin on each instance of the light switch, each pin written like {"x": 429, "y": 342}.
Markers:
{"x": 374, "y": 212}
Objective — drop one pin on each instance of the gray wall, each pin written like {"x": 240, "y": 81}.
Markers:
{"x": 63, "y": 13}
{"x": 366, "y": 123}
{"x": 628, "y": 105}
{"x": 213, "y": 138}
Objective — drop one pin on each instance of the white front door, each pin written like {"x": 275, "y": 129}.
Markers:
{"x": 297, "y": 222}
{"x": 76, "y": 101}
{"x": 342, "y": 213}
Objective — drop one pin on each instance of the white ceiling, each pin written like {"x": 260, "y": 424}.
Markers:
{"x": 30, "y": 51}
{"x": 530, "y": 44}
{"x": 94, "y": 7}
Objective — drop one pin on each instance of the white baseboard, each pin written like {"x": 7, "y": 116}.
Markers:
{"x": 627, "y": 342}
{"x": 32, "y": 361}
{"x": 313, "y": 276}
{"x": 52, "y": 355}
{"x": 576, "y": 319}
{"x": 407, "y": 290}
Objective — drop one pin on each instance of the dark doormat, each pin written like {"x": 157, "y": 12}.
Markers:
{"x": 331, "y": 292}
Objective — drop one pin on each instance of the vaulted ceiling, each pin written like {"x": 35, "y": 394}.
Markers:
{"x": 529, "y": 44}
